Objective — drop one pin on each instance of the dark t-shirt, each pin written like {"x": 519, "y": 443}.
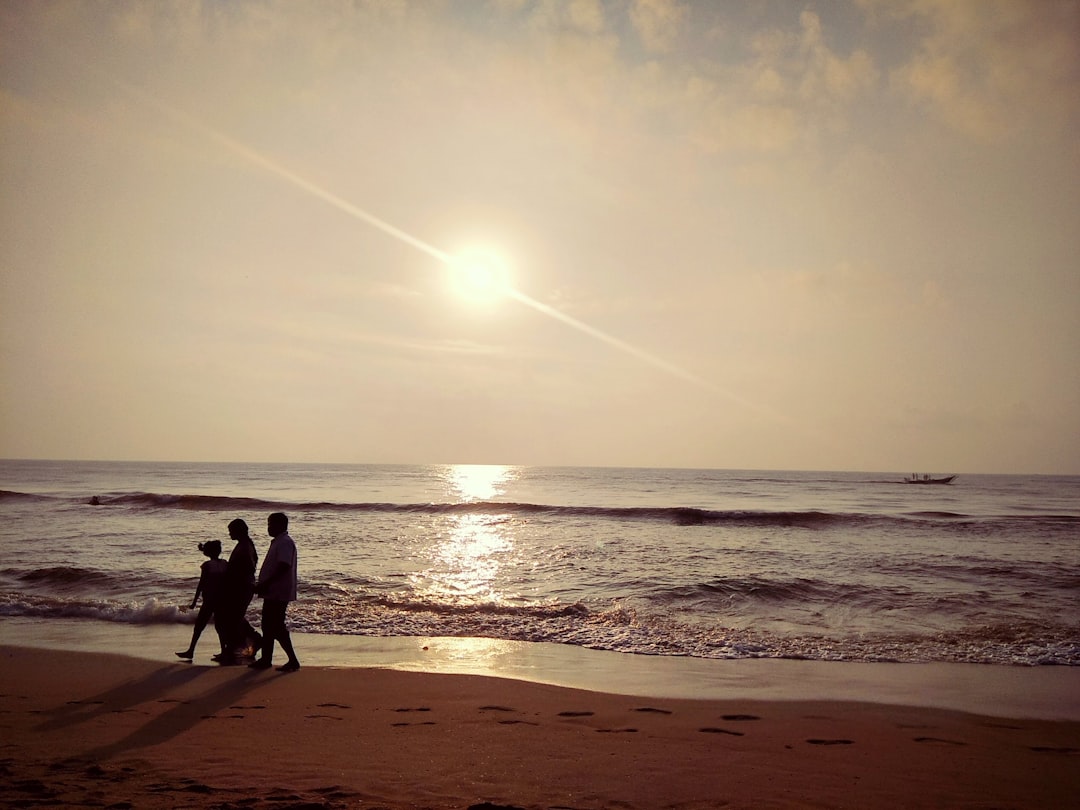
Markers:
{"x": 213, "y": 581}
{"x": 242, "y": 564}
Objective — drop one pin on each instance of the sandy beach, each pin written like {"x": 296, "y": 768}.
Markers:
{"x": 94, "y": 729}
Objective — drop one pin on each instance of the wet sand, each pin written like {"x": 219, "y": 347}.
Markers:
{"x": 95, "y": 729}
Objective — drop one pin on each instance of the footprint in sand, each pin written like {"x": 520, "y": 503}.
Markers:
{"x": 1046, "y": 749}
{"x": 257, "y": 706}
{"x": 715, "y": 730}
{"x": 576, "y": 714}
{"x": 740, "y": 717}
{"x": 651, "y": 710}
{"x": 938, "y": 741}
{"x": 617, "y": 730}
{"x": 322, "y": 717}
{"x": 830, "y": 742}
{"x": 419, "y": 709}
{"x": 507, "y": 722}
{"x": 333, "y": 706}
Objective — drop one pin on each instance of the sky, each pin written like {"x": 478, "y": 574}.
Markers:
{"x": 818, "y": 235}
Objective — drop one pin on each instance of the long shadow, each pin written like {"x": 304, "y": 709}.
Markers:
{"x": 181, "y": 717}
{"x": 122, "y": 697}
{"x": 151, "y": 689}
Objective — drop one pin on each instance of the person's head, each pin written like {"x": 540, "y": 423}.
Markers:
{"x": 211, "y": 548}
{"x": 277, "y": 523}
{"x": 238, "y": 529}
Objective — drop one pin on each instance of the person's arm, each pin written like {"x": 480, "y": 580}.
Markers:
{"x": 280, "y": 571}
{"x": 198, "y": 590}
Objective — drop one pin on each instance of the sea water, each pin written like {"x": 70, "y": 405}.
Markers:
{"x": 720, "y": 564}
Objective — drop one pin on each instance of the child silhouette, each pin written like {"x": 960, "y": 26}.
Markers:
{"x": 211, "y": 586}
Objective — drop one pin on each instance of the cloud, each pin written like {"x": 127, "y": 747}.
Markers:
{"x": 992, "y": 68}
{"x": 657, "y": 23}
{"x": 578, "y": 16}
{"x": 731, "y": 187}
{"x": 826, "y": 78}
{"x": 791, "y": 87}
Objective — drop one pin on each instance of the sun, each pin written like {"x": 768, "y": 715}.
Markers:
{"x": 479, "y": 275}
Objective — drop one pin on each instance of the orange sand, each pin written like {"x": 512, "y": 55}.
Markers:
{"x": 93, "y": 729}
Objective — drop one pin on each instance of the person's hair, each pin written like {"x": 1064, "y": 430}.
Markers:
{"x": 238, "y": 528}
{"x": 211, "y": 548}
{"x": 278, "y": 522}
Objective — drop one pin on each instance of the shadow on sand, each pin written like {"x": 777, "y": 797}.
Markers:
{"x": 153, "y": 688}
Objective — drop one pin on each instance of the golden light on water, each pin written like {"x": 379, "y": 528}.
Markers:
{"x": 467, "y": 559}
{"x": 477, "y": 482}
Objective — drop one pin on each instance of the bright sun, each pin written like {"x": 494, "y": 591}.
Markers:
{"x": 479, "y": 275}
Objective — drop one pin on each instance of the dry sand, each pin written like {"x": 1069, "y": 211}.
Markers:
{"x": 90, "y": 729}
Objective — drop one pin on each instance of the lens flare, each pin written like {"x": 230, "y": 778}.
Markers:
{"x": 477, "y": 274}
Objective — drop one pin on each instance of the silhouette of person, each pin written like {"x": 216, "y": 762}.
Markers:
{"x": 211, "y": 586}
{"x": 277, "y": 587}
{"x": 240, "y": 636}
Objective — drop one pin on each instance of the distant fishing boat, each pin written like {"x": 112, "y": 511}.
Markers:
{"x": 926, "y": 479}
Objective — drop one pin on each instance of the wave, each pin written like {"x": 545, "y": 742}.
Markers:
{"x": 59, "y": 575}
{"x": 9, "y": 495}
{"x": 69, "y": 580}
{"x": 687, "y": 516}
{"x": 150, "y": 611}
{"x": 677, "y": 515}
{"x": 617, "y": 626}
{"x": 623, "y": 627}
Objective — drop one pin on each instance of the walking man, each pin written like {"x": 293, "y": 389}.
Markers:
{"x": 277, "y": 587}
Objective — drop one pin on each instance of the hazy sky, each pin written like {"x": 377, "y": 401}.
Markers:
{"x": 809, "y": 235}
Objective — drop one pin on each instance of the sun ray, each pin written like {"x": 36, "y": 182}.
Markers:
{"x": 477, "y": 275}
{"x": 277, "y": 169}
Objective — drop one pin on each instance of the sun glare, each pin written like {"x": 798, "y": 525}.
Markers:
{"x": 477, "y": 482}
{"x": 479, "y": 276}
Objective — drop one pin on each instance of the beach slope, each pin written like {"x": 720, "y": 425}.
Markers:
{"x": 90, "y": 729}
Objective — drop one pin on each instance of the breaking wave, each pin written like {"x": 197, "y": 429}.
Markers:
{"x": 676, "y": 515}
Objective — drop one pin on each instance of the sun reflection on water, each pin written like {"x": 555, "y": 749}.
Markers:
{"x": 477, "y": 482}
{"x": 471, "y": 548}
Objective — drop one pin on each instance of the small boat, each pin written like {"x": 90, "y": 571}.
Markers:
{"x": 926, "y": 479}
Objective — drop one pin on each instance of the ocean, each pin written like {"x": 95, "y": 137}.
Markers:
{"x": 710, "y": 564}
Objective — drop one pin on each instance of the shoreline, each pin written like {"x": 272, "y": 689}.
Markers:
{"x": 90, "y": 728}
{"x": 1047, "y": 693}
